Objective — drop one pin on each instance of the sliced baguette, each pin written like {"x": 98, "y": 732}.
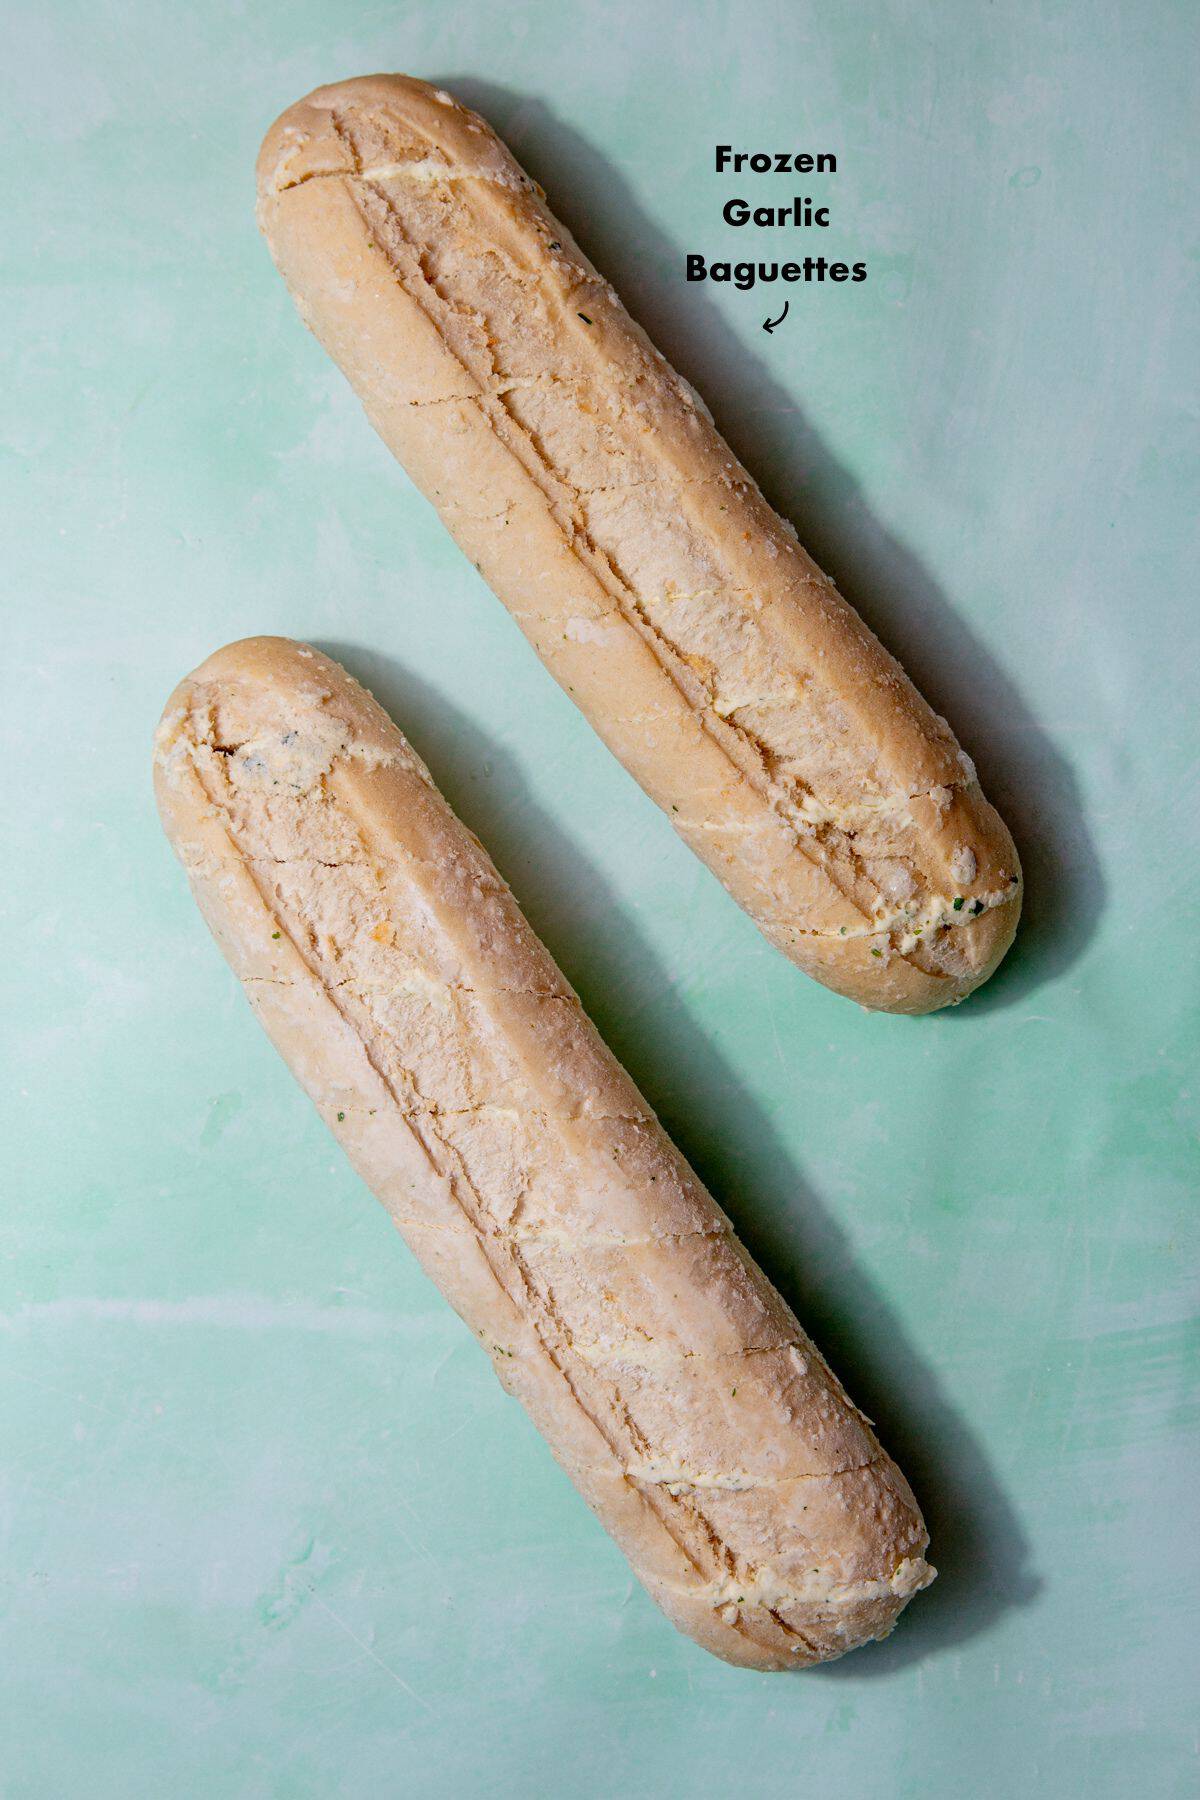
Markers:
{"x": 397, "y": 977}
{"x": 586, "y": 481}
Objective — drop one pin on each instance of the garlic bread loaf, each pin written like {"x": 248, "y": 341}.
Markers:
{"x": 396, "y": 975}
{"x": 586, "y": 481}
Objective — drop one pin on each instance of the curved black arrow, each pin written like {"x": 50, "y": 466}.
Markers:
{"x": 770, "y": 324}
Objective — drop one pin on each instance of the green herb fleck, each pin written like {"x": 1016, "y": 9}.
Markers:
{"x": 732, "y": 1391}
{"x": 977, "y": 908}
{"x": 958, "y": 903}
{"x": 341, "y": 1116}
{"x": 276, "y": 934}
{"x": 877, "y": 953}
{"x": 585, "y": 318}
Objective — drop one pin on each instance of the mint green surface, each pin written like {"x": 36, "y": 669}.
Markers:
{"x": 269, "y": 1526}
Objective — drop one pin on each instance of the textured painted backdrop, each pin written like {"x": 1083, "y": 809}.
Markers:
{"x": 269, "y": 1525}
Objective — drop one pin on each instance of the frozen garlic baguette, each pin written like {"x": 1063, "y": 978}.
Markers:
{"x": 586, "y": 481}
{"x": 396, "y": 975}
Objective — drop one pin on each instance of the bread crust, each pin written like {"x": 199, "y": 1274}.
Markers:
{"x": 586, "y": 481}
{"x": 396, "y": 975}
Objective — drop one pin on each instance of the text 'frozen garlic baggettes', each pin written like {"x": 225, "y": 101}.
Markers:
{"x": 398, "y": 978}
{"x": 588, "y": 484}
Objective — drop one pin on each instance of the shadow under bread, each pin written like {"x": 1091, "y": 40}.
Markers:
{"x": 1023, "y": 772}
{"x": 978, "y": 1544}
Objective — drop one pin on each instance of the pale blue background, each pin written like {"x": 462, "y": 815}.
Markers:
{"x": 269, "y": 1526}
